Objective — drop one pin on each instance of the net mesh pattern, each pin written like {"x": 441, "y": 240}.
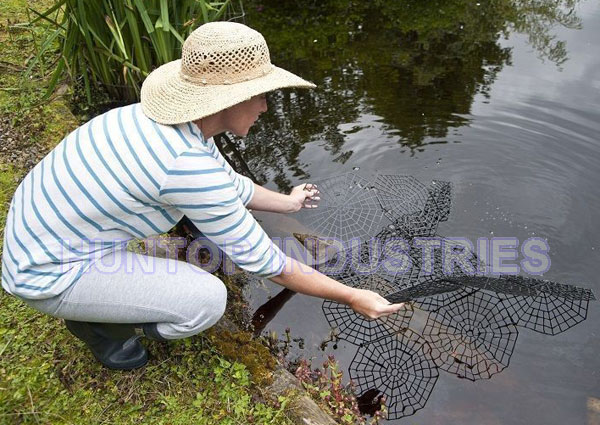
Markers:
{"x": 400, "y": 195}
{"x": 471, "y": 321}
{"x": 429, "y": 296}
{"x": 356, "y": 329}
{"x": 399, "y": 367}
{"x": 353, "y": 207}
{"x": 473, "y": 337}
{"x": 552, "y": 309}
{"x": 348, "y": 209}
{"x": 424, "y": 222}
{"x": 540, "y": 305}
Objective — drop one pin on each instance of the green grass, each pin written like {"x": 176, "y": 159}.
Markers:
{"x": 49, "y": 377}
{"x": 9, "y": 178}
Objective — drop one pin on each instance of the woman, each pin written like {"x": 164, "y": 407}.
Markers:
{"x": 136, "y": 171}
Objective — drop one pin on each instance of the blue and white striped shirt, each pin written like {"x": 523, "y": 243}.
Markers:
{"x": 122, "y": 176}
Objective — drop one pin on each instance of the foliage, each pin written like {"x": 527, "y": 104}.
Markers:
{"x": 46, "y": 375}
{"x": 49, "y": 377}
{"x": 255, "y": 356}
{"x": 327, "y": 388}
{"x": 115, "y": 44}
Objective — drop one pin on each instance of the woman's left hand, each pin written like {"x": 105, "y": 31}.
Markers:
{"x": 304, "y": 196}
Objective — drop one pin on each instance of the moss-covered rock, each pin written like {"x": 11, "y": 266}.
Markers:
{"x": 242, "y": 347}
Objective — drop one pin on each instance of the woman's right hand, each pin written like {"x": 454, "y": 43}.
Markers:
{"x": 301, "y": 278}
{"x": 371, "y": 305}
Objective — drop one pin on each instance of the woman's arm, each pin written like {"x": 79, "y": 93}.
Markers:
{"x": 268, "y": 200}
{"x": 301, "y": 278}
{"x": 305, "y": 280}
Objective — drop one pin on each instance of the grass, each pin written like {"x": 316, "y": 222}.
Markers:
{"x": 48, "y": 376}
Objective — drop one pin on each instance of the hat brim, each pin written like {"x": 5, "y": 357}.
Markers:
{"x": 168, "y": 99}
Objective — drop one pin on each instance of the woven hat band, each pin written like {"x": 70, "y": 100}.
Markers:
{"x": 214, "y": 64}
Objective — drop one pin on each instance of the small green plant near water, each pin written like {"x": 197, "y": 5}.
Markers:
{"x": 325, "y": 385}
{"x": 327, "y": 388}
{"x": 115, "y": 44}
{"x": 48, "y": 377}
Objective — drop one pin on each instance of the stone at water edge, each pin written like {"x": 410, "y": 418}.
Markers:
{"x": 321, "y": 249}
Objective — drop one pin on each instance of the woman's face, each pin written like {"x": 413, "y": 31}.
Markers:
{"x": 239, "y": 118}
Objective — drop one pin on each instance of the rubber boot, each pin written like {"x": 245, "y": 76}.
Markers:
{"x": 116, "y": 346}
{"x": 151, "y": 332}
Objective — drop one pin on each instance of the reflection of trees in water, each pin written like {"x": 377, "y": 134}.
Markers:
{"x": 417, "y": 65}
{"x": 535, "y": 18}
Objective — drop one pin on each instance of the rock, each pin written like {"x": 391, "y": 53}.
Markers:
{"x": 303, "y": 410}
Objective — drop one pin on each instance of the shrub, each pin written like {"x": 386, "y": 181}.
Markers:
{"x": 112, "y": 45}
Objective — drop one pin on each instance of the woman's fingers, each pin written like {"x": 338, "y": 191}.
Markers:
{"x": 310, "y": 187}
{"x": 385, "y": 310}
{"x": 312, "y": 197}
{"x": 371, "y": 305}
{"x": 392, "y": 308}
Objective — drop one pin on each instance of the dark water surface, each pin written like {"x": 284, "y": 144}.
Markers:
{"x": 502, "y": 99}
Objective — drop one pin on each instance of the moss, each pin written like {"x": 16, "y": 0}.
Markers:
{"x": 48, "y": 376}
{"x": 10, "y": 177}
{"x": 237, "y": 307}
{"x": 12, "y": 10}
{"x": 60, "y": 122}
{"x": 242, "y": 347}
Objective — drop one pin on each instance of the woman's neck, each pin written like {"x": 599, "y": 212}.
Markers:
{"x": 210, "y": 126}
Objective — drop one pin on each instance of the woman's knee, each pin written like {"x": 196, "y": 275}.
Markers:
{"x": 219, "y": 301}
{"x": 208, "y": 304}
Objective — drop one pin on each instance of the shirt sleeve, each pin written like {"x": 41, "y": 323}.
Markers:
{"x": 243, "y": 185}
{"x": 198, "y": 185}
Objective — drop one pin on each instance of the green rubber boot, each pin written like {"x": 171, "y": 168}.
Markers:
{"x": 115, "y": 345}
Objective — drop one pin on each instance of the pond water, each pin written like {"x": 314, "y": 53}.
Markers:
{"x": 501, "y": 98}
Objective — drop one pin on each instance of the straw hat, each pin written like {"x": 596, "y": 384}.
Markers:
{"x": 222, "y": 64}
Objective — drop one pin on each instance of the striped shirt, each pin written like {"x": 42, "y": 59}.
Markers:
{"x": 118, "y": 177}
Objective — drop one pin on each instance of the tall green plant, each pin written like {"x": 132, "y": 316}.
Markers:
{"x": 114, "y": 44}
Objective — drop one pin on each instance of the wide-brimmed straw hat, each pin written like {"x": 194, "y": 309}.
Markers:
{"x": 222, "y": 64}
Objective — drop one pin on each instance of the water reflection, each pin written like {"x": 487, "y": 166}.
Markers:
{"x": 463, "y": 323}
{"x": 415, "y": 66}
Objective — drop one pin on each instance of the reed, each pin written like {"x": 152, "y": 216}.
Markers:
{"x": 112, "y": 45}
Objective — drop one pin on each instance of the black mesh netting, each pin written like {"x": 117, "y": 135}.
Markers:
{"x": 469, "y": 320}
{"x": 354, "y": 328}
{"x": 348, "y": 209}
{"x": 540, "y": 305}
{"x": 400, "y": 367}
{"x": 473, "y": 337}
